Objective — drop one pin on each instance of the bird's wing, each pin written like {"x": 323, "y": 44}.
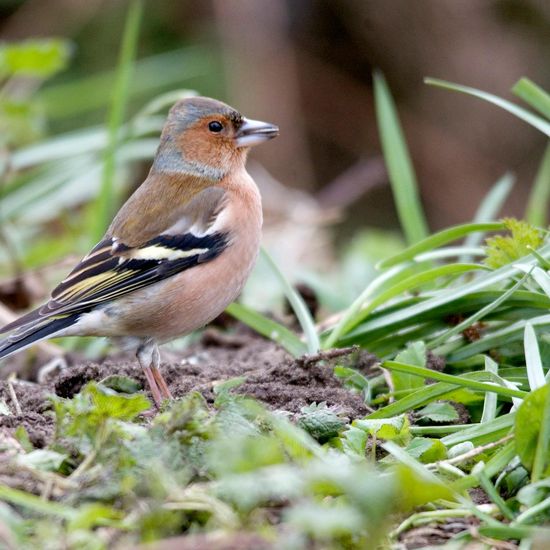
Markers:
{"x": 114, "y": 268}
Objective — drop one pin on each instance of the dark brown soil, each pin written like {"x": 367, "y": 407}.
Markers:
{"x": 272, "y": 376}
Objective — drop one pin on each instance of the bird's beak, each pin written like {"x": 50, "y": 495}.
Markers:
{"x": 252, "y": 132}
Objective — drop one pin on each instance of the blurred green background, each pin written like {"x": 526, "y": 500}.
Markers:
{"x": 303, "y": 64}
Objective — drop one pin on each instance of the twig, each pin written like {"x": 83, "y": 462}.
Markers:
{"x": 13, "y": 395}
{"x": 325, "y": 355}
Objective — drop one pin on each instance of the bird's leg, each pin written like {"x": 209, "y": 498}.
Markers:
{"x": 163, "y": 386}
{"x": 145, "y": 354}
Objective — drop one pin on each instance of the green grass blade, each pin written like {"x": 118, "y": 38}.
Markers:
{"x": 396, "y": 317}
{"x": 105, "y": 205}
{"x": 532, "y": 119}
{"x": 398, "y": 163}
{"x": 490, "y": 403}
{"x": 533, "y": 95}
{"x": 494, "y": 430}
{"x": 410, "y": 283}
{"x": 299, "y": 307}
{"x": 473, "y": 385}
{"x": 35, "y": 503}
{"x": 537, "y": 205}
{"x": 438, "y": 239}
{"x": 483, "y": 312}
{"x": 351, "y": 312}
{"x": 268, "y": 328}
{"x": 489, "y": 208}
{"x": 420, "y": 397}
{"x": 533, "y": 361}
{"x": 506, "y": 335}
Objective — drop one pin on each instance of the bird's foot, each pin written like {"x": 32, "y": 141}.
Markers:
{"x": 161, "y": 383}
{"x": 157, "y": 396}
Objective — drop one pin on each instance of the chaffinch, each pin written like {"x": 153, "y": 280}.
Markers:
{"x": 178, "y": 251}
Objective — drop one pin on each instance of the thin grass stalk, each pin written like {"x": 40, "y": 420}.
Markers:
{"x": 105, "y": 206}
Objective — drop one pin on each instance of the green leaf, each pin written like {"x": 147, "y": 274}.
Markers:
{"x": 438, "y": 412}
{"x": 110, "y": 404}
{"x": 398, "y": 163}
{"x": 354, "y": 441}
{"x": 321, "y": 422}
{"x": 427, "y": 450}
{"x": 395, "y": 428}
{"x": 351, "y": 378}
{"x": 534, "y": 120}
{"x": 35, "y": 58}
{"x": 42, "y": 459}
{"x": 415, "y": 354}
{"x": 528, "y": 426}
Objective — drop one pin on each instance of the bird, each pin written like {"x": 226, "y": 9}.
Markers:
{"x": 177, "y": 253}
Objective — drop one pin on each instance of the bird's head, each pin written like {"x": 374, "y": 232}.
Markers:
{"x": 205, "y": 137}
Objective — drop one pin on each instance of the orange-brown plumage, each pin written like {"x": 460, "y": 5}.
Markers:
{"x": 179, "y": 250}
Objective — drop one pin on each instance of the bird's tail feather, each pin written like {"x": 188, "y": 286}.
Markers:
{"x": 34, "y": 332}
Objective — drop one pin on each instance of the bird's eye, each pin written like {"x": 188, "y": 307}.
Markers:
{"x": 215, "y": 126}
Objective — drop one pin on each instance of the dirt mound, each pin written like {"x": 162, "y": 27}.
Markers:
{"x": 272, "y": 376}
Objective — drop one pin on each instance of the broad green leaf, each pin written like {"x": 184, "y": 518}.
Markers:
{"x": 396, "y": 428}
{"x": 415, "y": 354}
{"x": 321, "y": 422}
{"x": 110, "y": 404}
{"x": 427, "y": 450}
{"x": 438, "y": 412}
{"x": 354, "y": 441}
